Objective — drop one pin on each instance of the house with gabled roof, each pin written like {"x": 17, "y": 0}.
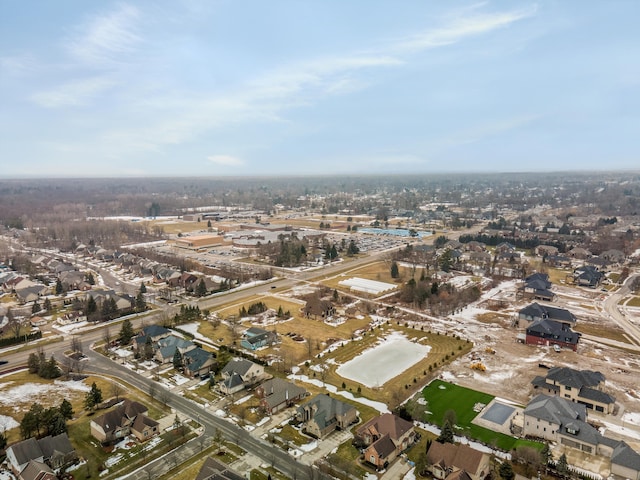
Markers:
{"x": 151, "y": 332}
{"x": 54, "y": 451}
{"x": 547, "y": 332}
{"x": 537, "y": 286}
{"x": 240, "y": 373}
{"x": 277, "y": 394}
{"x": 448, "y": 461}
{"x": 166, "y": 348}
{"x": 323, "y": 414}
{"x": 587, "y": 276}
{"x": 122, "y": 421}
{"x": 198, "y": 363}
{"x": 255, "y": 338}
{"x": 582, "y": 386}
{"x": 625, "y": 462}
{"x": 384, "y": 438}
{"x": 535, "y": 312}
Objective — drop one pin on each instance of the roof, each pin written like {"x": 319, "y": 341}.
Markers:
{"x": 327, "y": 409}
{"x": 26, "y": 450}
{"x": 155, "y": 330}
{"x": 142, "y": 421}
{"x": 551, "y": 329}
{"x": 384, "y": 446}
{"x": 195, "y": 359}
{"x": 554, "y": 409}
{"x": 384, "y": 424}
{"x": 120, "y": 415}
{"x": 626, "y": 456}
{"x": 535, "y": 310}
{"x": 575, "y": 378}
{"x": 214, "y": 470}
{"x": 238, "y": 365}
{"x": 35, "y": 470}
{"x": 278, "y": 391}
{"x": 460, "y": 456}
{"x": 59, "y": 444}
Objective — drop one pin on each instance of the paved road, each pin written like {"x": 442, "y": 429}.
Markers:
{"x": 611, "y": 308}
{"x": 269, "y": 454}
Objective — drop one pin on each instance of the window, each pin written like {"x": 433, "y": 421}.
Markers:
{"x": 567, "y": 388}
{"x": 372, "y": 459}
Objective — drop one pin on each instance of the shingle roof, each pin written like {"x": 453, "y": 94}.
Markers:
{"x": 626, "y": 456}
{"x": 277, "y": 391}
{"x": 215, "y": 470}
{"x": 387, "y": 423}
{"x": 552, "y": 329}
{"x": 460, "y": 456}
{"x": 384, "y": 446}
{"x": 554, "y": 409}
{"x": 535, "y": 310}
{"x": 238, "y": 365}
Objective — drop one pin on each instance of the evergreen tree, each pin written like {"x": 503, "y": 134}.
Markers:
{"x": 506, "y": 471}
{"x": 47, "y": 304}
{"x": 143, "y": 288}
{"x": 59, "y": 287}
{"x": 93, "y": 397}
{"x": 66, "y": 409}
{"x": 446, "y": 434}
{"x": 177, "y": 360}
{"x": 147, "y": 352}
{"x": 3, "y": 440}
{"x": 141, "y": 304}
{"x": 92, "y": 306}
{"x": 395, "y": 271}
{"x": 35, "y": 308}
{"x": 126, "y": 332}
{"x": 201, "y": 289}
{"x": 562, "y": 467}
{"x": 90, "y": 279}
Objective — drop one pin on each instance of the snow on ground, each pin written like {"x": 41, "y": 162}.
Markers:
{"x": 179, "y": 379}
{"x": 7, "y": 423}
{"x": 4, "y": 475}
{"x": 385, "y": 361}
{"x": 243, "y": 399}
{"x": 620, "y": 430}
{"x": 71, "y": 327}
{"x": 379, "y": 406}
{"x": 11, "y": 395}
{"x": 631, "y": 417}
{"x": 123, "y": 353}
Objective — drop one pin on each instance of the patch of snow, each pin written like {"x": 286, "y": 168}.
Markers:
{"x": 7, "y": 423}
{"x": 384, "y": 361}
{"x": 31, "y": 392}
{"x": 243, "y": 399}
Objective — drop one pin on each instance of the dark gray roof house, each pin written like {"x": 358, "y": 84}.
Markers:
{"x": 535, "y": 311}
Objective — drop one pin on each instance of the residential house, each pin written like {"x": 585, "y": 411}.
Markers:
{"x": 384, "y": 438}
{"x": 587, "y": 276}
{"x": 74, "y": 280}
{"x": 122, "y": 421}
{"x": 561, "y": 420}
{"x": 255, "y": 338}
{"x": 448, "y": 461}
{"x": 537, "y": 286}
{"x": 212, "y": 469}
{"x": 165, "y": 348}
{"x": 579, "y": 253}
{"x": 536, "y": 312}
{"x": 151, "y": 332}
{"x": 550, "y": 332}
{"x": 324, "y": 414}
{"x": 505, "y": 248}
{"x": 614, "y": 256}
{"x": 35, "y": 470}
{"x": 546, "y": 250}
{"x": 198, "y": 363}
{"x": 31, "y": 293}
{"x": 54, "y": 451}
{"x": 581, "y": 386}
{"x": 240, "y": 373}
{"x": 625, "y": 462}
{"x": 277, "y": 394}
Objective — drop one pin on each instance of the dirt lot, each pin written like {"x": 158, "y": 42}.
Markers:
{"x": 510, "y": 370}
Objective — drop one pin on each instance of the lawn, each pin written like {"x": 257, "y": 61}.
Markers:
{"x": 443, "y": 396}
{"x": 634, "y": 302}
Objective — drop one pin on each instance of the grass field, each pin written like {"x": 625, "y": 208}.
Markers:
{"x": 634, "y": 302}
{"x": 612, "y": 332}
{"x": 378, "y": 271}
{"x": 443, "y": 396}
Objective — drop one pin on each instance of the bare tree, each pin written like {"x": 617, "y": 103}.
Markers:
{"x": 106, "y": 337}
{"x": 116, "y": 390}
{"x": 163, "y": 396}
{"x": 233, "y": 321}
{"x": 67, "y": 366}
{"x": 14, "y": 323}
{"x": 309, "y": 347}
{"x": 76, "y": 345}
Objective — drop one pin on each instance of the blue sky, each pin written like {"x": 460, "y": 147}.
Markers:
{"x": 317, "y": 87}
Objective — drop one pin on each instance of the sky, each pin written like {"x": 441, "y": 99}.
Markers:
{"x": 297, "y": 87}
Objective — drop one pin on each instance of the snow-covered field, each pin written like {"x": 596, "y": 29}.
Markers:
{"x": 16, "y": 395}
{"x": 387, "y": 360}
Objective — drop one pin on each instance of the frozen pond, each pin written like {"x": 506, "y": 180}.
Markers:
{"x": 387, "y": 360}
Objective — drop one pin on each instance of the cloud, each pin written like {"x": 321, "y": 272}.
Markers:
{"x": 460, "y": 28}
{"x": 226, "y": 160}
{"x": 182, "y": 117}
{"x": 106, "y": 38}
{"x": 75, "y": 94}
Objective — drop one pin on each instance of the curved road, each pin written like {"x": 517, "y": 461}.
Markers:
{"x": 610, "y": 306}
